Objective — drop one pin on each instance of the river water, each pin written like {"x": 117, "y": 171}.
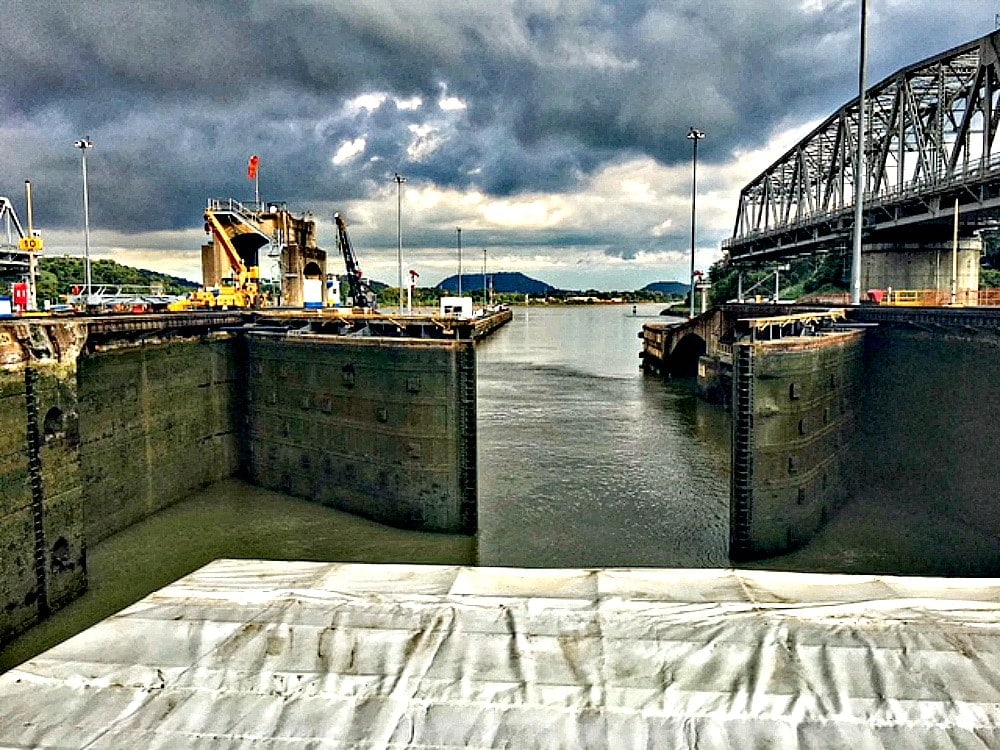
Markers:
{"x": 583, "y": 461}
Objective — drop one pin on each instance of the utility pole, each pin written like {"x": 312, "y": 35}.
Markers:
{"x": 32, "y": 257}
{"x": 954, "y": 259}
{"x": 694, "y": 136}
{"x": 859, "y": 161}
{"x": 459, "y": 261}
{"x": 399, "y": 236}
{"x": 83, "y": 145}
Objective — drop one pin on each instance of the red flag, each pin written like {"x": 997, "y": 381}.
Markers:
{"x": 252, "y": 167}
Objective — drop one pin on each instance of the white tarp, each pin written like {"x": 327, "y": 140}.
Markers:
{"x": 313, "y": 655}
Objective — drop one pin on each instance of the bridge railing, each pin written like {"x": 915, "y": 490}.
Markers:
{"x": 941, "y": 298}
{"x": 882, "y": 197}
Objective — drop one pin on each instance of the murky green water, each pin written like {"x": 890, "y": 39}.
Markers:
{"x": 584, "y": 461}
{"x": 235, "y": 520}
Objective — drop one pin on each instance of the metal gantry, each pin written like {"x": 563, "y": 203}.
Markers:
{"x": 931, "y": 137}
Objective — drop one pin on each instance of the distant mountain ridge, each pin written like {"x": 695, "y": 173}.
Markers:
{"x": 504, "y": 282}
{"x": 667, "y": 287}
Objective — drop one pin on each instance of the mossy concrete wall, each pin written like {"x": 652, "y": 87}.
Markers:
{"x": 156, "y": 422}
{"x": 793, "y": 426}
{"x": 105, "y": 423}
{"x": 372, "y": 426}
{"x": 95, "y": 439}
{"x": 929, "y": 428}
{"x": 42, "y": 540}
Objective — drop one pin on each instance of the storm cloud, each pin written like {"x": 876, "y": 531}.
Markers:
{"x": 497, "y": 100}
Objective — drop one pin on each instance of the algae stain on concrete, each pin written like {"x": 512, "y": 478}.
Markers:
{"x": 228, "y": 519}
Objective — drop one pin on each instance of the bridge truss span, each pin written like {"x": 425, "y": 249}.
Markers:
{"x": 931, "y": 139}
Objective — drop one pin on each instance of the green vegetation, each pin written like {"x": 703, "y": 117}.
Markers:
{"x": 824, "y": 274}
{"x": 989, "y": 278}
{"x": 388, "y": 296}
{"x": 827, "y": 274}
{"x": 57, "y": 276}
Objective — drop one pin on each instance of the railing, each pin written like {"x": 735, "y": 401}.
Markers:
{"x": 941, "y": 298}
{"x": 826, "y": 299}
{"x": 913, "y": 298}
{"x": 248, "y": 209}
{"x": 155, "y": 290}
{"x": 776, "y": 326}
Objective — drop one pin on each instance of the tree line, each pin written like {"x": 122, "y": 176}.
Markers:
{"x": 57, "y": 278}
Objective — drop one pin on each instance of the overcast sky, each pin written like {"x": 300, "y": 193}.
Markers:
{"x": 551, "y": 131}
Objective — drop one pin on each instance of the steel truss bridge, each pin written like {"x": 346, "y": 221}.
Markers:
{"x": 931, "y": 138}
{"x": 13, "y": 262}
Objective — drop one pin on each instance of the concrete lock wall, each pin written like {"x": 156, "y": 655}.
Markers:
{"x": 98, "y": 436}
{"x": 794, "y": 417}
{"x": 156, "y": 423}
{"x": 929, "y": 433}
{"x": 372, "y": 426}
{"x": 42, "y": 542}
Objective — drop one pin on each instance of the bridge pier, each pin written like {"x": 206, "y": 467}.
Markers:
{"x": 921, "y": 265}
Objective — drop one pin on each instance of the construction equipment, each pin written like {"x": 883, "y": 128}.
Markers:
{"x": 230, "y": 261}
{"x": 360, "y": 293}
{"x": 237, "y": 232}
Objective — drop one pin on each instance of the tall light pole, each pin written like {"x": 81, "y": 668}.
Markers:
{"x": 83, "y": 145}
{"x": 484, "y": 278}
{"x": 399, "y": 234}
{"x": 859, "y": 160}
{"x": 459, "y": 261}
{"x": 32, "y": 257}
{"x": 694, "y": 135}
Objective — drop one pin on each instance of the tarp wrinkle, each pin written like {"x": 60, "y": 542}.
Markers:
{"x": 301, "y": 656}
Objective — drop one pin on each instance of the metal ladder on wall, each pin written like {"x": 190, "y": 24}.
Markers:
{"x": 37, "y": 490}
{"x": 742, "y": 450}
{"x": 466, "y": 356}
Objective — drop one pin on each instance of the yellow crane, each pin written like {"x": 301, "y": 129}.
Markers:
{"x": 237, "y": 236}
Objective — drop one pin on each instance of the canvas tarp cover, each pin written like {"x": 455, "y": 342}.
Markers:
{"x": 313, "y": 655}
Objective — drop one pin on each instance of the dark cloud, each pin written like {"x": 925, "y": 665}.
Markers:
{"x": 177, "y": 94}
{"x": 625, "y": 253}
